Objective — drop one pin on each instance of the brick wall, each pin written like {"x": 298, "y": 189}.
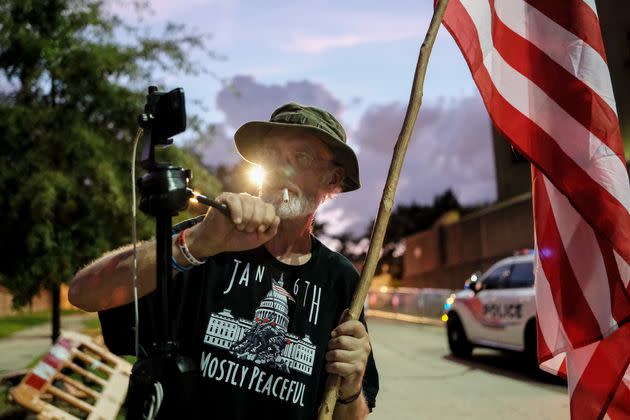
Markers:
{"x": 41, "y": 302}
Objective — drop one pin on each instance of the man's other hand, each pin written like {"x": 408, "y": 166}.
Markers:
{"x": 348, "y": 351}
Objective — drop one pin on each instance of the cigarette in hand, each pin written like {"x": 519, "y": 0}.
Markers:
{"x": 285, "y": 195}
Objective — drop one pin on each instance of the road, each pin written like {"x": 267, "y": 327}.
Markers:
{"x": 419, "y": 379}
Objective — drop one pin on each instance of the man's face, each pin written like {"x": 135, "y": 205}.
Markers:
{"x": 299, "y": 162}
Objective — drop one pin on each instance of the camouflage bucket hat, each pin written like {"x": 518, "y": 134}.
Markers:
{"x": 312, "y": 120}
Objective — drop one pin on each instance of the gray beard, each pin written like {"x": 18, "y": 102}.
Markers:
{"x": 296, "y": 207}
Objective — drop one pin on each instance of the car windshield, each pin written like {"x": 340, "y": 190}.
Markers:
{"x": 522, "y": 275}
{"x": 494, "y": 278}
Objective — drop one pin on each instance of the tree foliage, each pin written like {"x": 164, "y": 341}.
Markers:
{"x": 405, "y": 220}
{"x": 408, "y": 219}
{"x": 73, "y": 79}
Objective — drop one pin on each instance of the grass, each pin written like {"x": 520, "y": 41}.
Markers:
{"x": 14, "y": 323}
{"x": 7, "y": 409}
{"x": 11, "y": 324}
{"x": 36, "y": 360}
{"x": 91, "y": 327}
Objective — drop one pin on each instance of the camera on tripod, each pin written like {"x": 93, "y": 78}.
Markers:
{"x": 164, "y": 113}
{"x": 162, "y": 386}
{"x": 164, "y": 116}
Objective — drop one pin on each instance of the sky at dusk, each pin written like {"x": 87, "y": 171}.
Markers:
{"x": 357, "y": 60}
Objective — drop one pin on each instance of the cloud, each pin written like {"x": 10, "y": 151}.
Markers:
{"x": 451, "y": 148}
{"x": 218, "y": 148}
{"x": 317, "y": 44}
{"x": 349, "y": 27}
{"x": 162, "y": 9}
{"x": 298, "y": 27}
{"x": 338, "y": 219}
{"x": 247, "y": 100}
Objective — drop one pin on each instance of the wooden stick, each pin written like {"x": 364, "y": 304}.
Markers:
{"x": 78, "y": 385}
{"x": 72, "y": 400}
{"x": 327, "y": 406}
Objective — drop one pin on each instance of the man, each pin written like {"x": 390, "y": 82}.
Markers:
{"x": 259, "y": 298}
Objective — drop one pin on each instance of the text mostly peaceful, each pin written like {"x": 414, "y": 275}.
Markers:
{"x": 252, "y": 378}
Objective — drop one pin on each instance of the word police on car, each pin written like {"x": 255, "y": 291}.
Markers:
{"x": 496, "y": 309}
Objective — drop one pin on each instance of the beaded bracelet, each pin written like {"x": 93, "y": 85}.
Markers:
{"x": 351, "y": 398}
{"x": 183, "y": 247}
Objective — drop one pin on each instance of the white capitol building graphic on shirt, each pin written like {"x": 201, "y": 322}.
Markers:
{"x": 227, "y": 332}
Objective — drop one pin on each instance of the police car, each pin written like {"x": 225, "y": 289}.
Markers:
{"x": 497, "y": 309}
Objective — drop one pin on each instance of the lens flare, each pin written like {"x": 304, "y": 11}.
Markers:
{"x": 257, "y": 175}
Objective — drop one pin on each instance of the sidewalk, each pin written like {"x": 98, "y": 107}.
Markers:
{"x": 20, "y": 349}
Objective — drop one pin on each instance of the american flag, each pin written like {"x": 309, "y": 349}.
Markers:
{"x": 282, "y": 291}
{"x": 542, "y": 72}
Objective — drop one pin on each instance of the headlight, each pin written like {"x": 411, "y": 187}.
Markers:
{"x": 449, "y": 302}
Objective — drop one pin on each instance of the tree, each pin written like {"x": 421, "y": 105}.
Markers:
{"x": 70, "y": 91}
{"x": 407, "y": 219}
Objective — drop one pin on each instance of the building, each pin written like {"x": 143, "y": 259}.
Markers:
{"x": 447, "y": 254}
{"x": 224, "y": 330}
{"x": 614, "y": 17}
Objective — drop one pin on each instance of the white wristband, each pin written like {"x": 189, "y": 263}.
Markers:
{"x": 183, "y": 247}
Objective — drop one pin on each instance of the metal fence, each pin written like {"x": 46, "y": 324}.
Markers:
{"x": 425, "y": 303}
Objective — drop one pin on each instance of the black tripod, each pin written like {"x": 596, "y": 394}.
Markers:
{"x": 165, "y": 381}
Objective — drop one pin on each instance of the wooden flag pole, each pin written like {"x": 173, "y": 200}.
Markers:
{"x": 327, "y": 406}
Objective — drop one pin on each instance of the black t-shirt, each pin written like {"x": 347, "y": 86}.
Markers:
{"x": 258, "y": 328}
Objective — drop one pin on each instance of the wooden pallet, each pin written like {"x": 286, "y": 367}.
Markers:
{"x": 76, "y": 379}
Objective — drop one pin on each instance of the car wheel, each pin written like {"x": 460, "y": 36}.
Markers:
{"x": 457, "y": 341}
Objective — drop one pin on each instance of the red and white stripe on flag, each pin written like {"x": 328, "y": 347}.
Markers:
{"x": 541, "y": 69}
{"x": 282, "y": 291}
